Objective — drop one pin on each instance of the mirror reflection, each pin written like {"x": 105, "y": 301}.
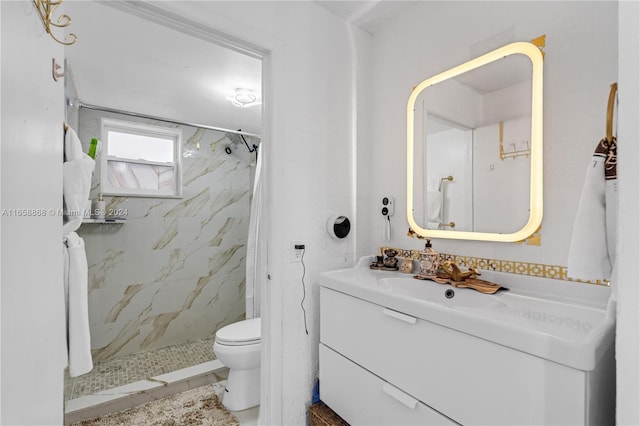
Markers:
{"x": 471, "y": 152}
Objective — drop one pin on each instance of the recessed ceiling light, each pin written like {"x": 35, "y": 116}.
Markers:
{"x": 243, "y": 97}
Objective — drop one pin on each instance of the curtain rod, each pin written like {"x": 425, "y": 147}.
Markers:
{"x": 79, "y": 104}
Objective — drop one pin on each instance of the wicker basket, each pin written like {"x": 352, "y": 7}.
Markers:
{"x": 321, "y": 415}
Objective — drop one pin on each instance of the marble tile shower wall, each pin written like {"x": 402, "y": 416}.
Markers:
{"x": 175, "y": 271}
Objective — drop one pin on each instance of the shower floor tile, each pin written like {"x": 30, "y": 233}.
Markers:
{"x": 116, "y": 372}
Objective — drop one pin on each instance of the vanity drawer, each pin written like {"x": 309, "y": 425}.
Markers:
{"x": 362, "y": 398}
{"x": 468, "y": 379}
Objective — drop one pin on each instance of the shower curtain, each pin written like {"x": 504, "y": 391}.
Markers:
{"x": 253, "y": 247}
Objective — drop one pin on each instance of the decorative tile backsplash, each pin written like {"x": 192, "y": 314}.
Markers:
{"x": 509, "y": 266}
{"x": 175, "y": 271}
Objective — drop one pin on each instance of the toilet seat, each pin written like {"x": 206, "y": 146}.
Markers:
{"x": 240, "y": 333}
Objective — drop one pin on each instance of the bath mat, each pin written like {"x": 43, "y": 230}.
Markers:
{"x": 321, "y": 415}
{"x": 197, "y": 406}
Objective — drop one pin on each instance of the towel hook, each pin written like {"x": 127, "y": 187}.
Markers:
{"x": 610, "y": 107}
{"x": 55, "y": 67}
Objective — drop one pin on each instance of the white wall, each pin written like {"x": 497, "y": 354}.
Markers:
{"x": 628, "y": 325}
{"x": 365, "y": 224}
{"x": 579, "y": 66}
{"x": 498, "y": 205}
{"x": 33, "y": 319}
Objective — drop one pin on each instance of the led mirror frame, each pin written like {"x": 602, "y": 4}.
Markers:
{"x": 535, "y": 192}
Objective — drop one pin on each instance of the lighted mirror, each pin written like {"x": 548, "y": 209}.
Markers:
{"x": 474, "y": 148}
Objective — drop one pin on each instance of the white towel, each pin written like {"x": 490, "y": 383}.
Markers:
{"x": 76, "y": 292}
{"x": 592, "y": 253}
{"x": 434, "y": 206}
{"x": 76, "y": 181}
{"x": 76, "y": 184}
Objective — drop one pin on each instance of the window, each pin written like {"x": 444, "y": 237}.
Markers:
{"x": 140, "y": 160}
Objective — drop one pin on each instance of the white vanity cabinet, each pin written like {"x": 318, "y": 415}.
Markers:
{"x": 382, "y": 366}
{"x": 362, "y": 398}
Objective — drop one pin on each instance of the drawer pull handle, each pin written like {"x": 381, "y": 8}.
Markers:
{"x": 399, "y": 315}
{"x": 399, "y": 396}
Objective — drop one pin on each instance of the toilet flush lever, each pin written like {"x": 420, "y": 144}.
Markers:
{"x": 399, "y": 315}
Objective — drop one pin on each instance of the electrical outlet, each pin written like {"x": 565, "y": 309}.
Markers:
{"x": 297, "y": 248}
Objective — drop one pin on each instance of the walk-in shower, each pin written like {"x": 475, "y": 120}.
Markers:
{"x": 163, "y": 281}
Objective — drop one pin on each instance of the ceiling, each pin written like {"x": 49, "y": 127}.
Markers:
{"x": 497, "y": 75}
{"x": 373, "y": 15}
{"x": 368, "y": 15}
{"x": 129, "y": 63}
{"x": 125, "y": 62}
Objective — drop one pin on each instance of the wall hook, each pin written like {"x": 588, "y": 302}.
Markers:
{"x": 54, "y": 70}
{"x": 45, "y": 9}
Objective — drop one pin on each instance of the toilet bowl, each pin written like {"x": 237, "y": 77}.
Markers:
{"x": 237, "y": 346}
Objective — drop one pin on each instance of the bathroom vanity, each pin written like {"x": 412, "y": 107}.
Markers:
{"x": 395, "y": 350}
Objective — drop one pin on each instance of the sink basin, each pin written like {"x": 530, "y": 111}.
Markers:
{"x": 442, "y": 294}
{"x": 563, "y": 322}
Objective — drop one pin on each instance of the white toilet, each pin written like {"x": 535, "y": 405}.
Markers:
{"x": 237, "y": 346}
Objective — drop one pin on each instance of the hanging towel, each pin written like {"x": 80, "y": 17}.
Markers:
{"x": 76, "y": 181}
{"x": 434, "y": 206}
{"x": 75, "y": 288}
{"x": 592, "y": 254}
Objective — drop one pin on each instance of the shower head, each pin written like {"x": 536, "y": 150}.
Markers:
{"x": 237, "y": 139}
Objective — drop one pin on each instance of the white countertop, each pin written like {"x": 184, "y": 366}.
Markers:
{"x": 567, "y": 324}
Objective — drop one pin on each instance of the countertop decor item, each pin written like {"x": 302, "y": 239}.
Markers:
{"x": 453, "y": 271}
{"x": 428, "y": 261}
{"x": 406, "y": 266}
{"x": 474, "y": 283}
{"x": 379, "y": 263}
{"x": 390, "y": 261}
{"x": 450, "y": 273}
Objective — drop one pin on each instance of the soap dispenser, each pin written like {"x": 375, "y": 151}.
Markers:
{"x": 428, "y": 262}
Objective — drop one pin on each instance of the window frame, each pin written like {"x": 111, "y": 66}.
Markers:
{"x": 175, "y": 134}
